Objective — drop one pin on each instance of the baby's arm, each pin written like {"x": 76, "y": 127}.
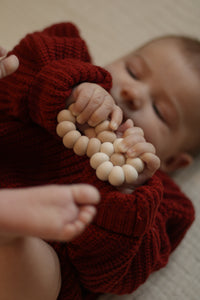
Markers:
{"x": 47, "y": 75}
{"x": 93, "y": 104}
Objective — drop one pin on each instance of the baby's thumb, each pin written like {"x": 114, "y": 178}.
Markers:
{"x": 8, "y": 66}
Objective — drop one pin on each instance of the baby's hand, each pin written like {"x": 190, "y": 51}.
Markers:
{"x": 93, "y": 104}
{"x": 135, "y": 145}
{"x": 8, "y": 64}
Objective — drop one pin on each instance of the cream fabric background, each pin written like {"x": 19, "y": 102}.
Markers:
{"x": 112, "y": 28}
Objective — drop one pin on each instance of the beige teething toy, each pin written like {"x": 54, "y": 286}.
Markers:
{"x": 102, "y": 146}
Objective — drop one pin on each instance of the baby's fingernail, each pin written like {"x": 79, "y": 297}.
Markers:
{"x": 92, "y": 124}
{"x": 72, "y": 109}
{"x": 122, "y": 147}
{"x": 113, "y": 125}
{"x": 79, "y": 120}
{"x": 131, "y": 153}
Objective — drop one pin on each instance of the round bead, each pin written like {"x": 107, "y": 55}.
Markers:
{"x": 137, "y": 163}
{"x": 70, "y": 138}
{"x": 103, "y": 170}
{"x": 80, "y": 147}
{"x": 130, "y": 173}
{"x": 97, "y": 159}
{"x": 105, "y": 125}
{"x": 90, "y": 132}
{"x": 93, "y": 146}
{"x": 107, "y": 148}
{"x": 117, "y": 159}
{"x": 116, "y": 144}
{"x": 64, "y": 127}
{"x": 65, "y": 115}
{"x": 116, "y": 176}
{"x": 106, "y": 136}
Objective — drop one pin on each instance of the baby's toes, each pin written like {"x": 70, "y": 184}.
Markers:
{"x": 86, "y": 214}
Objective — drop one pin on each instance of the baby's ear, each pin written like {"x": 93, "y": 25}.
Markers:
{"x": 174, "y": 163}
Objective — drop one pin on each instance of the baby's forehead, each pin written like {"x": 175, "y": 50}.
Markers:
{"x": 160, "y": 44}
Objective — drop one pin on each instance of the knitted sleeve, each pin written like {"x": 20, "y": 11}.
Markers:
{"x": 52, "y": 63}
{"x": 117, "y": 254}
{"x": 53, "y": 85}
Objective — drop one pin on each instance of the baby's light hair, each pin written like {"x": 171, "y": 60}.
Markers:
{"x": 191, "y": 50}
{"x": 190, "y": 46}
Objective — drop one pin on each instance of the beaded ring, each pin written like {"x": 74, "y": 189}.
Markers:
{"x": 101, "y": 145}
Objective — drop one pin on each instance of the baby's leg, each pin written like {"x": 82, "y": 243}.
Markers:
{"x": 29, "y": 267}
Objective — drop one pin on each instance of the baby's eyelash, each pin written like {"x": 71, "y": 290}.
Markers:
{"x": 158, "y": 113}
{"x": 131, "y": 73}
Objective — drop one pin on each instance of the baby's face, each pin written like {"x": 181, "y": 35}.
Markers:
{"x": 156, "y": 88}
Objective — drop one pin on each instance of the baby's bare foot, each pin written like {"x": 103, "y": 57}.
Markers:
{"x": 49, "y": 212}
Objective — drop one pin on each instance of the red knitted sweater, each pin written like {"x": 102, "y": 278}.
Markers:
{"x": 132, "y": 235}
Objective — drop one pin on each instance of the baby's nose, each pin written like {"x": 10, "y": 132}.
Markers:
{"x": 132, "y": 98}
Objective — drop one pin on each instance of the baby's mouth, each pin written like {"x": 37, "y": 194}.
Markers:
{"x": 126, "y": 115}
{"x": 121, "y": 104}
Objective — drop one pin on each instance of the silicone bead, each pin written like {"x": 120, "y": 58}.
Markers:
{"x": 116, "y": 176}
{"x": 70, "y": 138}
{"x": 65, "y": 115}
{"x": 116, "y": 144}
{"x": 103, "y": 170}
{"x": 130, "y": 173}
{"x": 137, "y": 163}
{"x": 106, "y": 136}
{"x": 117, "y": 159}
{"x": 93, "y": 146}
{"x": 107, "y": 148}
{"x": 64, "y": 127}
{"x": 80, "y": 146}
{"x": 97, "y": 159}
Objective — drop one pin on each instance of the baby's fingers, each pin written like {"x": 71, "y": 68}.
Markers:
{"x": 8, "y": 65}
{"x": 99, "y": 107}
{"x": 116, "y": 117}
{"x": 81, "y": 97}
{"x": 130, "y": 141}
{"x": 103, "y": 112}
{"x": 106, "y": 109}
{"x": 141, "y": 148}
{"x": 152, "y": 162}
{"x": 124, "y": 126}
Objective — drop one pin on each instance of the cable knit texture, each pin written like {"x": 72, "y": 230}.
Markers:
{"x": 132, "y": 234}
